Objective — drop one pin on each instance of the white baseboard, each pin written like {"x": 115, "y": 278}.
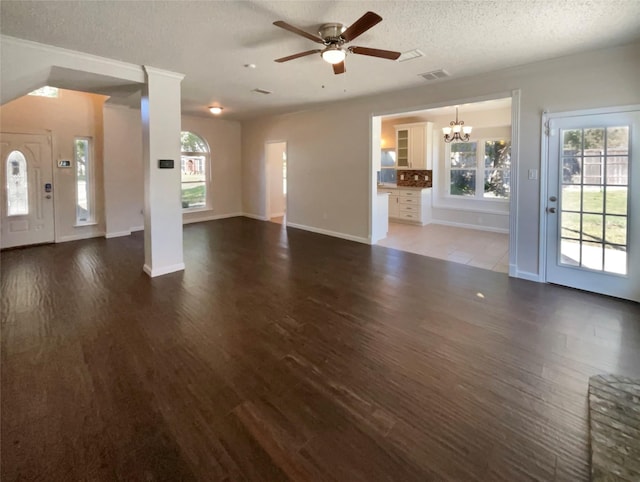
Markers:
{"x": 77, "y": 237}
{"x": 117, "y": 234}
{"x": 153, "y": 272}
{"x": 210, "y": 217}
{"x": 527, "y": 275}
{"x": 255, "y": 216}
{"x": 335, "y": 234}
{"x": 471, "y": 226}
{"x": 137, "y": 228}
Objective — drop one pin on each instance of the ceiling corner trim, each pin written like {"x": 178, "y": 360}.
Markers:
{"x": 74, "y": 59}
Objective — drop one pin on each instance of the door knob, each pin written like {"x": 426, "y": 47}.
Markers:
{"x": 553, "y": 199}
{"x": 551, "y": 210}
{"x": 48, "y": 196}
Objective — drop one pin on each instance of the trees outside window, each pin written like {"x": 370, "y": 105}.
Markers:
{"x": 195, "y": 177}
{"x": 480, "y": 169}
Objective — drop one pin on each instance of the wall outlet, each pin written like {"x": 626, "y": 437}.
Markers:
{"x": 415, "y": 178}
{"x": 402, "y": 177}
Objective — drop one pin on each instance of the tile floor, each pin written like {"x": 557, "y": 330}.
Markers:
{"x": 482, "y": 249}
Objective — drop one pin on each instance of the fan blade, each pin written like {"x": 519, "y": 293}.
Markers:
{"x": 298, "y": 55}
{"x": 339, "y": 68}
{"x": 361, "y": 25}
{"x": 383, "y": 54}
{"x": 296, "y": 30}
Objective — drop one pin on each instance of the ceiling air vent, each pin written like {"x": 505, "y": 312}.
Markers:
{"x": 262, "y": 91}
{"x": 435, "y": 75}
{"x": 410, "y": 55}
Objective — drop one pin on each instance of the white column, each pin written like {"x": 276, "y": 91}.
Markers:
{"x": 161, "y": 119}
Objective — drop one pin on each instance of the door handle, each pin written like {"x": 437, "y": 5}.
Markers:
{"x": 551, "y": 210}
{"x": 553, "y": 199}
{"x": 48, "y": 196}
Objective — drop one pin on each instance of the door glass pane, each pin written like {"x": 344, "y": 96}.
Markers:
{"x": 616, "y": 230}
{"x": 570, "y": 252}
{"x": 593, "y": 140}
{"x": 616, "y": 200}
{"x": 570, "y": 223}
{"x": 571, "y": 197}
{"x": 618, "y": 141}
{"x": 618, "y": 170}
{"x": 615, "y": 259}
{"x": 571, "y": 142}
{"x": 17, "y": 185}
{"x": 592, "y": 227}
{"x": 593, "y": 169}
{"x": 592, "y": 255}
{"x": 593, "y": 199}
{"x": 572, "y": 170}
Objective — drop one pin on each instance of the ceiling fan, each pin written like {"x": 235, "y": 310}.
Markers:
{"x": 334, "y": 36}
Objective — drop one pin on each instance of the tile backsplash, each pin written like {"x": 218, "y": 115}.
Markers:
{"x": 414, "y": 177}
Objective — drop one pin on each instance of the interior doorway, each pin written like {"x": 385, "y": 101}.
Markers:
{"x": 276, "y": 180}
{"x": 27, "y": 190}
{"x": 462, "y": 211}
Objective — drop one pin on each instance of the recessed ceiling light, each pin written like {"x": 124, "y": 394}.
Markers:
{"x": 215, "y": 110}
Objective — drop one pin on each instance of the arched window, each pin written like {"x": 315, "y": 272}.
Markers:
{"x": 17, "y": 185}
{"x": 195, "y": 171}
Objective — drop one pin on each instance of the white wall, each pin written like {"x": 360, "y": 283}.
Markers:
{"x": 123, "y": 173}
{"x": 328, "y": 148}
{"x": 277, "y": 200}
{"x": 71, "y": 115}
{"x": 123, "y": 168}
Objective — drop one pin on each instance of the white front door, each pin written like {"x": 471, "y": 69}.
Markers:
{"x": 593, "y": 203}
{"x": 27, "y": 190}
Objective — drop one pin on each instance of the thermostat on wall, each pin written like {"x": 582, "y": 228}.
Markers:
{"x": 64, "y": 163}
{"x": 165, "y": 163}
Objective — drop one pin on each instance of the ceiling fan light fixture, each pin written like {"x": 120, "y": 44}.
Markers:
{"x": 215, "y": 110}
{"x": 333, "y": 54}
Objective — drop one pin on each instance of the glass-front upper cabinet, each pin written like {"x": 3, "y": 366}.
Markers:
{"x": 402, "y": 147}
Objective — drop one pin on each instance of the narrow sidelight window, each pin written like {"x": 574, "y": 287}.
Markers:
{"x": 83, "y": 156}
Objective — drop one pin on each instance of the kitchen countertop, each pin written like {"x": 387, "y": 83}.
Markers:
{"x": 395, "y": 186}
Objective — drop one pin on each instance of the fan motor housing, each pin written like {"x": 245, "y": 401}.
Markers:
{"x": 331, "y": 32}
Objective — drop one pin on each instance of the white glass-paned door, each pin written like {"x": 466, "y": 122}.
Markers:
{"x": 593, "y": 232}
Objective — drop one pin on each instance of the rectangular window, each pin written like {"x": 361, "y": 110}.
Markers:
{"x": 83, "y": 156}
{"x": 387, "y": 166}
{"x": 480, "y": 169}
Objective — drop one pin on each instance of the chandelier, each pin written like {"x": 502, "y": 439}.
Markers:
{"x": 456, "y": 127}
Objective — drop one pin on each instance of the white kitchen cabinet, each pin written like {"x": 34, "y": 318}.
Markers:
{"x": 394, "y": 205}
{"x": 414, "y": 145}
{"x": 410, "y": 205}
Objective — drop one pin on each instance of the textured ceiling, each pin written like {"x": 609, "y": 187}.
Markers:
{"x": 211, "y": 41}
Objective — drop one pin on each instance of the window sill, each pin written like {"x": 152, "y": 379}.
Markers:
{"x": 480, "y": 207}
{"x": 196, "y": 210}
{"x": 89, "y": 223}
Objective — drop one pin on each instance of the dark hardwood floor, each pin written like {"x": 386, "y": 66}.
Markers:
{"x": 281, "y": 354}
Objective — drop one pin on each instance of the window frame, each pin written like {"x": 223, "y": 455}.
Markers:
{"x": 207, "y": 174}
{"x": 479, "y": 171}
{"x": 393, "y": 152}
{"x": 89, "y": 180}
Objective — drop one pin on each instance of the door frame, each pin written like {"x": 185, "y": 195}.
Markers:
{"x": 515, "y": 96}
{"x": 544, "y": 170}
{"x": 54, "y": 179}
{"x": 267, "y": 177}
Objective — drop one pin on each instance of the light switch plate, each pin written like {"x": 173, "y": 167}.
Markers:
{"x": 533, "y": 174}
